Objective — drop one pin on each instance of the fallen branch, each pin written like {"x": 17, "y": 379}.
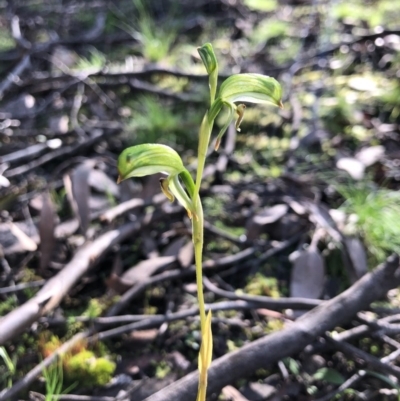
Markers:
{"x": 57, "y": 287}
{"x": 291, "y": 340}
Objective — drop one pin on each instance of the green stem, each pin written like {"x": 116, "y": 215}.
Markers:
{"x": 198, "y": 235}
{"x": 204, "y": 140}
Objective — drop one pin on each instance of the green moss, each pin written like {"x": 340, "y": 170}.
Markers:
{"x": 6, "y": 40}
{"x": 162, "y": 370}
{"x": 88, "y": 370}
{"x": 8, "y": 305}
{"x": 80, "y": 365}
{"x": 262, "y": 285}
{"x": 94, "y": 309}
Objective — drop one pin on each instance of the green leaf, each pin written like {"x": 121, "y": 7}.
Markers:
{"x": 292, "y": 365}
{"x": 253, "y": 88}
{"x": 147, "y": 159}
{"x": 329, "y": 375}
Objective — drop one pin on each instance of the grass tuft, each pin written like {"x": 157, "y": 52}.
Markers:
{"x": 375, "y": 217}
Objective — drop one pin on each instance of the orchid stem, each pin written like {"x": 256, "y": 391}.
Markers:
{"x": 198, "y": 233}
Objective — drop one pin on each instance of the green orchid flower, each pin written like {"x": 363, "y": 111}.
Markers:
{"x": 251, "y": 88}
{"x": 147, "y": 159}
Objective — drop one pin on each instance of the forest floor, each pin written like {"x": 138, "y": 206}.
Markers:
{"x": 301, "y": 205}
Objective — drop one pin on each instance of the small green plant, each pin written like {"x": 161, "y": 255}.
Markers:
{"x": 95, "y": 61}
{"x": 374, "y": 214}
{"x": 146, "y": 159}
{"x": 10, "y": 365}
{"x": 54, "y": 378}
{"x": 156, "y": 39}
{"x": 171, "y": 125}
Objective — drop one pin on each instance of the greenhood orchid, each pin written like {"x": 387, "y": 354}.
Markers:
{"x": 141, "y": 160}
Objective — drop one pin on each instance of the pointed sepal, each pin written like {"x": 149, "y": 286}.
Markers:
{"x": 209, "y": 59}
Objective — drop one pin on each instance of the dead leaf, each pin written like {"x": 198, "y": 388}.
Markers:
{"x": 270, "y": 313}
{"x": 267, "y": 216}
{"x": 174, "y": 247}
{"x": 179, "y": 360}
{"x": 308, "y": 274}
{"x": 181, "y": 248}
{"x": 146, "y": 268}
{"x": 320, "y": 216}
{"x": 271, "y": 214}
{"x": 78, "y": 192}
{"x": 98, "y": 203}
{"x": 358, "y": 256}
{"x": 339, "y": 217}
{"x": 352, "y": 166}
{"x": 113, "y": 282}
{"x": 371, "y": 155}
{"x": 139, "y": 273}
{"x": 66, "y": 228}
{"x": 144, "y": 335}
{"x": 10, "y": 237}
{"x": 101, "y": 182}
{"x": 47, "y": 225}
{"x": 297, "y": 207}
{"x": 186, "y": 255}
{"x": 4, "y": 183}
{"x": 231, "y": 393}
{"x": 26, "y": 242}
{"x": 259, "y": 391}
